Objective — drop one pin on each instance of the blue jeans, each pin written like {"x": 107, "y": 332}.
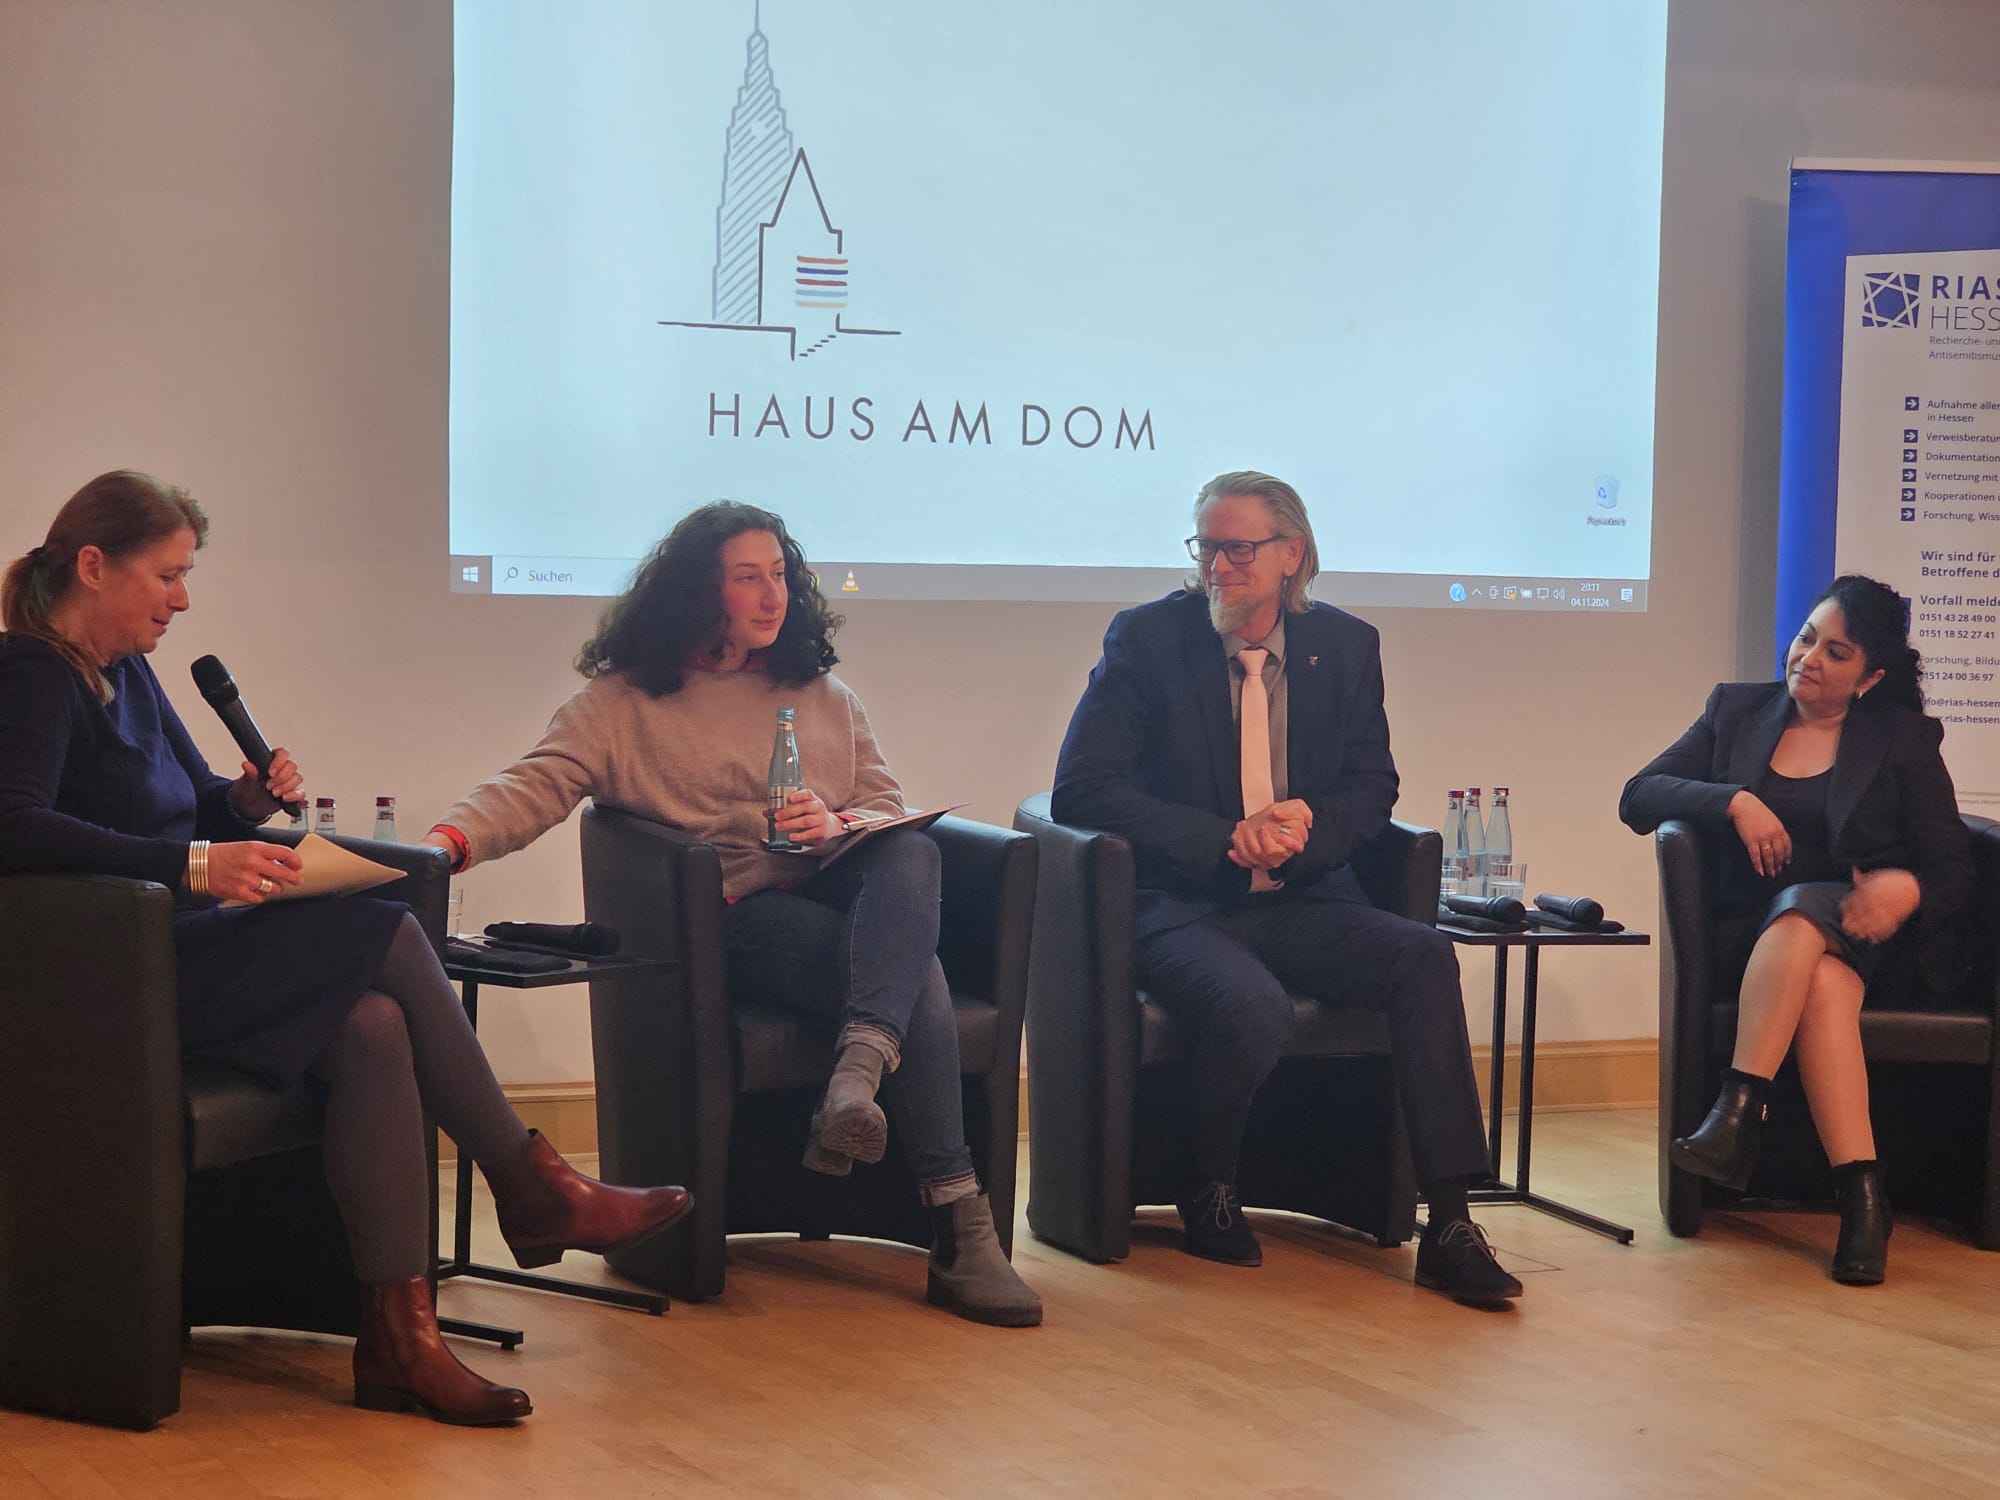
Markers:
{"x": 859, "y": 945}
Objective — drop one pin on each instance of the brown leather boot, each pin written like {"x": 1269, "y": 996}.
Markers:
{"x": 546, "y": 1207}
{"x": 401, "y": 1363}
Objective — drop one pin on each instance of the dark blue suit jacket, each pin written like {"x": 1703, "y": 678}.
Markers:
{"x": 1152, "y": 755}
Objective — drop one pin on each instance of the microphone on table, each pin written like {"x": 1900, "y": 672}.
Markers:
{"x": 584, "y": 939}
{"x": 219, "y": 688}
{"x": 1492, "y": 908}
{"x": 1581, "y": 910}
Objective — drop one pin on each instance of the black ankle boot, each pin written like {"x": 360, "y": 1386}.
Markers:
{"x": 1861, "y": 1255}
{"x": 1724, "y": 1149}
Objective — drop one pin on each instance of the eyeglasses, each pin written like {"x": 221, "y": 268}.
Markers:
{"x": 1240, "y": 554}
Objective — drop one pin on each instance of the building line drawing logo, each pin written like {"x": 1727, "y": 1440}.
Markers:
{"x": 1889, "y": 299}
{"x": 781, "y": 266}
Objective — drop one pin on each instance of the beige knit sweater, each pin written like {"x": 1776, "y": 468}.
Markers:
{"x": 698, "y": 759}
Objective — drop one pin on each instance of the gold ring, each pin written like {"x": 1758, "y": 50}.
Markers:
{"x": 265, "y": 885}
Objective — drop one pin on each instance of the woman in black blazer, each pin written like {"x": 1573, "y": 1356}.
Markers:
{"x": 1849, "y": 871}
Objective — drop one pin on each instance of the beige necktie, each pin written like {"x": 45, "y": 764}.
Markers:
{"x": 1258, "y": 792}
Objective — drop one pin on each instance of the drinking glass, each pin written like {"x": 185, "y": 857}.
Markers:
{"x": 1451, "y": 877}
{"x": 1507, "y": 877}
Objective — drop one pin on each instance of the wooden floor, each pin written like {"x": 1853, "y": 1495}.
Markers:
{"x": 1724, "y": 1365}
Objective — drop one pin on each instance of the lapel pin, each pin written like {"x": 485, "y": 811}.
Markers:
{"x": 1312, "y": 661}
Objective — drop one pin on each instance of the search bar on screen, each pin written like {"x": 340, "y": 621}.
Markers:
{"x": 601, "y": 576}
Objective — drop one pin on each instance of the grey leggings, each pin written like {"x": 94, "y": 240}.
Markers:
{"x": 406, "y": 1044}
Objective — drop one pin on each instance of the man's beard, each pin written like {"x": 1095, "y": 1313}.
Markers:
{"x": 1229, "y": 615}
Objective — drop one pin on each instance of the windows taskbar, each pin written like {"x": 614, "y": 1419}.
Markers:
{"x": 600, "y": 577}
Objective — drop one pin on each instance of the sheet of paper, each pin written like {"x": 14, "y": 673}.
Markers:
{"x": 861, "y": 833}
{"x": 330, "y": 870}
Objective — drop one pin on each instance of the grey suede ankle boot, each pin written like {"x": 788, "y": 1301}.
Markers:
{"x": 969, "y": 1272}
{"x": 849, "y": 1125}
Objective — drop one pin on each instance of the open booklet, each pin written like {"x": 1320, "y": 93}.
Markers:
{"x": 330, "y": 870}
{"x": 860, "y": 833}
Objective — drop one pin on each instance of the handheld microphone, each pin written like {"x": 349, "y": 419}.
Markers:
{"x": 1493, "y": 908}
{"x": 219, "y": 688}
{"x": 1578, "y": 909}
{"x": 585, "y": 939}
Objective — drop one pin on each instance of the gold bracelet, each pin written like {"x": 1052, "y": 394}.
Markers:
{"x": 197, "y": 867}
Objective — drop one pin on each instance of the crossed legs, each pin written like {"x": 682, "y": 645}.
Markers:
{"x": 1797, "y": 995}
{"x": 860, "y": 945}
{"x": 405, "y": 1043}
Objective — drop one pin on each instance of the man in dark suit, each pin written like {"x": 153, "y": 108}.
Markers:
{"x": 1233, "y": 733}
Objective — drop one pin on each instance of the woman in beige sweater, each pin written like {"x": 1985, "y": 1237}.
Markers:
{"x": 722, "y": 626}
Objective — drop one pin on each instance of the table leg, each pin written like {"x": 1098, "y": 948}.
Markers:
{"x": 492, "y": 1333}
{"x": 1577, "y": 1217}
{"x": 1498, "y": 1072}
{"x": 462, "y": 1263}
{"x": 1524, "y": 1131}
{"x": 1497, "y": 1190}
{"x": 461, "y": 1224}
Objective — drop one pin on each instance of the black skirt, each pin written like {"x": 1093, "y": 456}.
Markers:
{"x": 265, "y": 988}
{"x": 1888, "y": 969}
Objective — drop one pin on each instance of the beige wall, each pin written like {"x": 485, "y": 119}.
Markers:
{"x": 223, "y": 257}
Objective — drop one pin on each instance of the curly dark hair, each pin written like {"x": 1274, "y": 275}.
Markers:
{"x": 672, "y": 609}
{"x": 1878, "y": 621}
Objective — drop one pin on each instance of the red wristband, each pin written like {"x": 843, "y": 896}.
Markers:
{"x": 461, "y": 846}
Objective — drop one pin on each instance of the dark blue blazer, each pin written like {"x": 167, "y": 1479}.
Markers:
{"x": 113, "y": 790}
{"x": 1890, "y": 804}
{"x": 1152, "y": 755}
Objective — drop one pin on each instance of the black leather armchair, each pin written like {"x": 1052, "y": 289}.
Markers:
{"x": 693, "y": 1089}
{"x": 1105, "y": 1064}
{"x": 140, "y": 1197}
{"x": 1932, "y": 1068}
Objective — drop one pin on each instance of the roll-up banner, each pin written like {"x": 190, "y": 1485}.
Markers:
{"x": 1891, "y": 457}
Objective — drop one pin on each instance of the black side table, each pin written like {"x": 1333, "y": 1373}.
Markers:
{"x": 470, "y": 976}
{"x": 1534, "y": 940}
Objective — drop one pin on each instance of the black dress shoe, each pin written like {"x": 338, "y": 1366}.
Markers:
{"x": 1861, "y": 1254}
{"x": 1724, "y": 1146}
{"x": 1455, "y": 1259}
{"x": 1217, "y": 1230}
